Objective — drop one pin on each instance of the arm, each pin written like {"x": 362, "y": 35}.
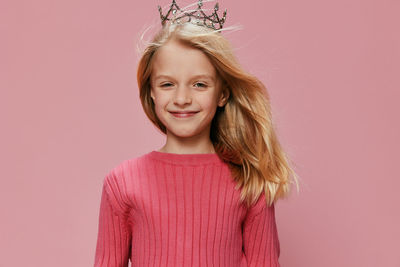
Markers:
{"x": 260, "y": 236}
{"x": 114, "y": 231}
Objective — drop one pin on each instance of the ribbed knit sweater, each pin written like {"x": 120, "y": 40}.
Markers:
{"x": 167, "y": 209}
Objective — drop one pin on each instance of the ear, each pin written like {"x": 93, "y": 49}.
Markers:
{"x": 224, "y": 97}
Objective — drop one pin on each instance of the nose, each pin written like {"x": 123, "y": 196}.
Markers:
{"x": 182, "y": 96}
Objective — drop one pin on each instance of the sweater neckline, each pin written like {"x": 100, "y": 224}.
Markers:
{"x": 182, "y": 159}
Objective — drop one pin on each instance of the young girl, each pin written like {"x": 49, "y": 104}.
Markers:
{"x": 206, "y": 198}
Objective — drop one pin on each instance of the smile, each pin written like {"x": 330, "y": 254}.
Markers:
{"x": 183, "y": 114}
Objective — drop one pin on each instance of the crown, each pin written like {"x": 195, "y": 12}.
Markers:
{"x": 196, "y": 16}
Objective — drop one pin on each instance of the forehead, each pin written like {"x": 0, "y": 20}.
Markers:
{"x": 177, "y": 59}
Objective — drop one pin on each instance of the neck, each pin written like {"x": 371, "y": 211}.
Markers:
{"x": 188, "y": 145}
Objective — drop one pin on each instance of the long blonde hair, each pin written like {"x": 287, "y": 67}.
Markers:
{"x": 242, "y": 131}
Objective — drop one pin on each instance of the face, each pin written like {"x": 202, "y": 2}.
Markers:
{"x": 185, "y": 90}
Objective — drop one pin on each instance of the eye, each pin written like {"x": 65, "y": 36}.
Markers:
{"x": 166, "y": 84}
{"x": 199, "y": 84}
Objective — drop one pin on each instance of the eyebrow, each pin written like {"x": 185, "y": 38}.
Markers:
{"x": 194, "y": 77}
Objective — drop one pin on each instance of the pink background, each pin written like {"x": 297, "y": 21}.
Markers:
{"x": 70, "y": 112}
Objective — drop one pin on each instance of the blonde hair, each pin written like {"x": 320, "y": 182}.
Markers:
{"x": 242, "y": 131}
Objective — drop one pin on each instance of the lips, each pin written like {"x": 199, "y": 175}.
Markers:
{"x": 183, "y": 114}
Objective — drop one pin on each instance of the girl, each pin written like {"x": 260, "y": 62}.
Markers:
{"x": 206, "y": 198}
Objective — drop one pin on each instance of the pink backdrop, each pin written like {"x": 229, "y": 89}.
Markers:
{"x": 70, "y": 112}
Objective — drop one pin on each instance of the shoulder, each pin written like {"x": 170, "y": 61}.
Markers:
{"x": 126, "y": 169}
{"x": 260, "y": 206}
{"x": 119, "y": 183}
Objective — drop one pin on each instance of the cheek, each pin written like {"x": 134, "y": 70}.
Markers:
{"x": 160, "y": 100}
{"x": 208, "y": 101}
{"x": 161, "y": 106}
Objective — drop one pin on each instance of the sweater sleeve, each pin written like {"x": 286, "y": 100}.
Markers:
{"x": 260, "y": 236}
{"x": 114, "y": 230}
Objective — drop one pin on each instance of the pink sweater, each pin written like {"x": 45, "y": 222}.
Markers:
{"x": 166, "y": 209}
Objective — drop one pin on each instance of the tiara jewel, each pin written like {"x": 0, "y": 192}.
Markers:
{"x": 197, "y": 16}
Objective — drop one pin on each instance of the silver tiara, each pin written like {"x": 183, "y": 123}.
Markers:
{"x": 196, "y": 16}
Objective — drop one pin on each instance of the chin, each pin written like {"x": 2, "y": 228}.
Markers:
{"x": 183, "y": 134}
